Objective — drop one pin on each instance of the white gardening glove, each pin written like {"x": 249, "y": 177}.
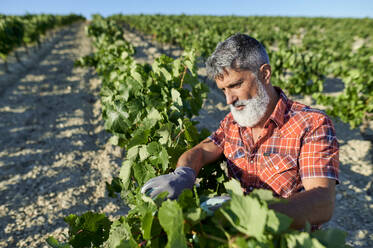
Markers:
{"x": 174, "y": 183}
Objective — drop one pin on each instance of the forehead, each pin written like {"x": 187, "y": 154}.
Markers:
{"x": 231, "y": 76}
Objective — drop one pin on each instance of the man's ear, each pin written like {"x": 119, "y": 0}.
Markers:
{"x": 265, "y": 73}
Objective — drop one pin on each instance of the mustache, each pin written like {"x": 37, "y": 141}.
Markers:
{"x": 240, "y": 103}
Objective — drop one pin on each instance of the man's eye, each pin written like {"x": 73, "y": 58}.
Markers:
{"x": 237, "y": 85}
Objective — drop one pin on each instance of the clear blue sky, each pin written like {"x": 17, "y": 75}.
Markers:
{"x": 325, "y": 8}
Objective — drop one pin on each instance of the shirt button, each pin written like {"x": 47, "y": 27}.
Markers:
{"x": 251, "y": 161}
{"x": 230, "y": 155}
{"x": 276, "y": 167}
{"x": 250, "y": 188}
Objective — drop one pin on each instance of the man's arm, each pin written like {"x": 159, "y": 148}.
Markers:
{"x": 314, "y": 205}
{"x": 204, "y": 153}
{"x": 318, "y": 167}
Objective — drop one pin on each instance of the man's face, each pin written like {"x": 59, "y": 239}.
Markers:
{"x": 245, "y": 95}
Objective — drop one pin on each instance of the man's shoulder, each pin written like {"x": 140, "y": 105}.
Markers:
{"x": 303, "y": 109}
{"x": 302, "y": 114}
{"x": 306, "y": 116}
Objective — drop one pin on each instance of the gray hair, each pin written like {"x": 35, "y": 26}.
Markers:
{"x": 238, "y": 52}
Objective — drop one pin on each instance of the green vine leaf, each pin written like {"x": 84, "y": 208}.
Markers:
{"x": 171, "y": 219}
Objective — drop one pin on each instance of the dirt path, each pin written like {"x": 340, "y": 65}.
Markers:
{"x": 354, "y": 205}
{"x": 54, "y": 159}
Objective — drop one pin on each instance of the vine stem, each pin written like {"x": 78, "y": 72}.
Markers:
{"x": 142, "y": 243}
{"x": 178, "y": 135}
{"x": 215, "y": 238}
{"x": 182, "y": 79}
{"x": 211, "y": 236}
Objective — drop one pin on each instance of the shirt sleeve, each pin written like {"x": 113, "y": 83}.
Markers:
{"x": 218, "y": 137}
{"x": 319, "y": 155}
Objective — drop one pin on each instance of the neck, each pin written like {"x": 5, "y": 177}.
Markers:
{"x": 274, "y": 97}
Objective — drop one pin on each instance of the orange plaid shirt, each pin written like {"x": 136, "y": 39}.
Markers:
{"x": 297, "y": 142}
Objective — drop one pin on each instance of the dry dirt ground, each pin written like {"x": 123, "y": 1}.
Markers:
{"x": 55, "y": 159}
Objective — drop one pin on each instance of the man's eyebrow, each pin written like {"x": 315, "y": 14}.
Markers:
{"x": 238, "y": 81}
{"x": 235, "y": 82}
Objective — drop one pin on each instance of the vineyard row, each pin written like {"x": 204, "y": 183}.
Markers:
{"x": 16, "y": 31}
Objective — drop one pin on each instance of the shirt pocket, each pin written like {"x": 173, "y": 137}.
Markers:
{"x": 236, "y": 157}
{"x": 279, "y": 172}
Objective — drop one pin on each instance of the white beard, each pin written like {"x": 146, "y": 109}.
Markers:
{"x": 254, "y": 109}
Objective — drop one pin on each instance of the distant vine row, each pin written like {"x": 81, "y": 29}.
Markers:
{"x": 16, "y": 31}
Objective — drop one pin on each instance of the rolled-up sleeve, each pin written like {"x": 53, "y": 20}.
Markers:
{"x": 319, "y": 154}
{"x": 218, "y": 137}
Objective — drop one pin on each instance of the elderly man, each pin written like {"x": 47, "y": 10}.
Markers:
{"x": 269, "y": 141}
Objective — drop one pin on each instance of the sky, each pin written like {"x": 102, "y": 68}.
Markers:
{"x": 308, "y": 8}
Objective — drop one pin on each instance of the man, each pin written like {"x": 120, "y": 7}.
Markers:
{"x": 268, "y": 140}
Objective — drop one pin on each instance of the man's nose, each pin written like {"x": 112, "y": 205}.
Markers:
{"x": 230, "y": 97}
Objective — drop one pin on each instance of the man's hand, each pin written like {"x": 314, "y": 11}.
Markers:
{"x": 174, "y": 183}
{"x": 184, "y": 177}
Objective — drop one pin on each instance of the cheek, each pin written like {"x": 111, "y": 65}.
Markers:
{"x": 253, "y": 91}
{"x": 246, "y": 94}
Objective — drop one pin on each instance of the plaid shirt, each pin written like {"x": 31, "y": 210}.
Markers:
{"x": 297, "y": 142}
